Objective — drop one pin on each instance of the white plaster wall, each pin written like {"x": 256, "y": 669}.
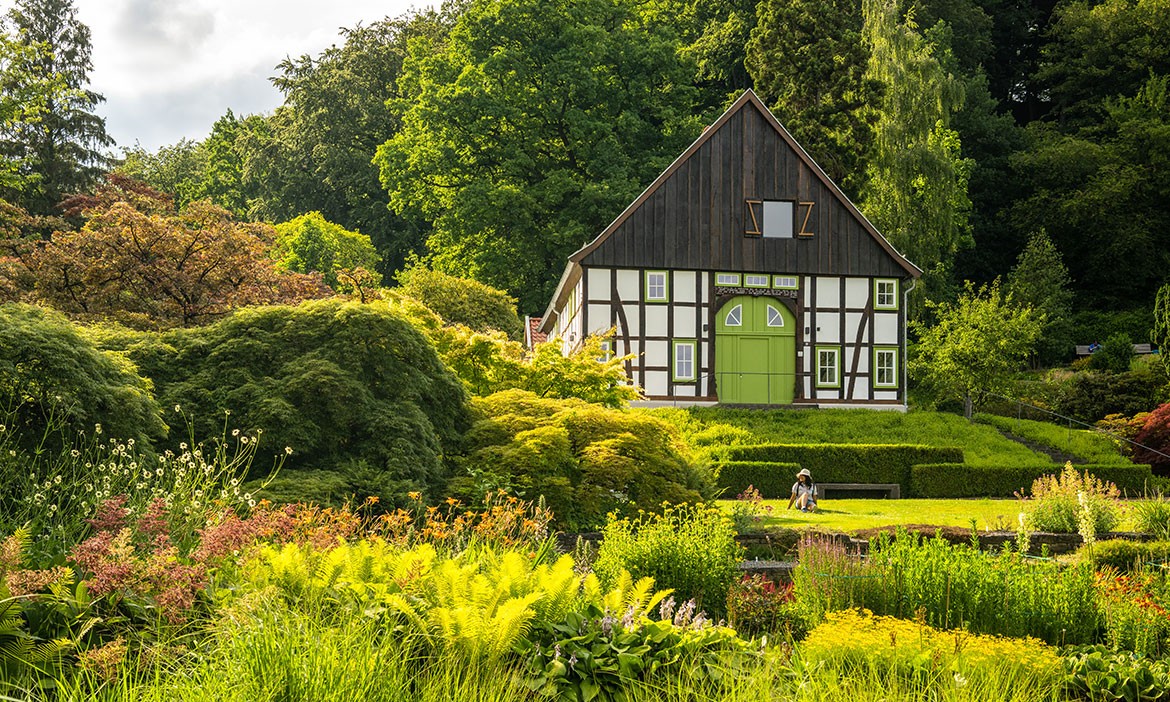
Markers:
{"x": 830, "y": 394}
{"x": 655, "y": 383}
{"x": 632, "y": 318}
{"x": 656, "y": 319}
{"x": 600, "y": 319}
{"x": 828, "y": 292}
{"x": 861, "y": 389}
{"x": 862, "y": 361}
{"x": 852, "y": 323}
{"x": 828, "y": 327}
{"x": 857, "y": 292}
{"x": 684, "y": 323}
{"x": 885, "y": 395}
{"x": 685, "y": 286}
{"x": 885, "y": 328}
{"x": 629, "y": 285}
{"x": 656, "y": 353}
{"x": 598, "y": 283}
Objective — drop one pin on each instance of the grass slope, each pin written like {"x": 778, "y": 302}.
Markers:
{"x": 707, "y": 427}
{"x": 1087, "y": 445}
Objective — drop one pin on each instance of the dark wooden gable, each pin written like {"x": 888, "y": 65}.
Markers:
{"x": 695, "y": 215}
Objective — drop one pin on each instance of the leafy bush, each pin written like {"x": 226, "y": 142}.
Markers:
{"x": 54, "y": 380}
{"x": 847, "y": 463}
{"x": 584, "y": 460}
{"x": 1090, "y": 396}
{"x": 310, "y": 243}
{"x": 946, "y": 480}
{"x": 1122, "y": 429}
{"x": 341, "y": 383}
{"x": 1152, "y": 516}
{"x": 689, "y": 549}
{"x": 772, "y": 480}
{"x": 857, "y": 638}
{"x": 463, "y": 301}
{"x": 1125, "y": 555}
{"x": 950, "y": 587}
{"x": 758, "y": 606}
{"x": 1098, "y": 673}
{"x": 1071, "y": 502}
{"x": 1155, "y": 434}
{"x": 1115, "y": 355}
{"x": 748, "y": 510}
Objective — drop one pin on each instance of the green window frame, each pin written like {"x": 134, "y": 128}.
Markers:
{"x": 729, "y": 279}
{"x": 828, "y": 359}
{"x": 885, "y": 367}
{"x": 766, "y": 283}
{"x": 652, "y": 291}
{"x": 786, "y": 282}
{"x": 683, "y": 361}
{"x": 885, "y": 293}
{"x": 606, "y": 351}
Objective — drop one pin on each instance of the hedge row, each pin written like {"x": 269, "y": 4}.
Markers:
{"x": 959, "y": 480}
{"x": 773, "y": 480}
{"x": 847, "y": 463}
{"x": 1125, "y": 555}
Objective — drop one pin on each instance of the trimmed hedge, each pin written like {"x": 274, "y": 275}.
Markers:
{"x": 960, "y": 480}
{"x": 1126, "y": 555}
{"x": 847, "y": 463}
{"x": 773, "y": 480}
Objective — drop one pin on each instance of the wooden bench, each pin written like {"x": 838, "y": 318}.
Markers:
{"x": 892, "y": 491}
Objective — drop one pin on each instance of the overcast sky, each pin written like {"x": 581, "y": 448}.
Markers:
{"x": 170, "y": 68}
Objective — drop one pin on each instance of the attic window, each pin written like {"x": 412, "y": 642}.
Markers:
{"x": 779, "y": 219}
{"x": 734, "y": 317}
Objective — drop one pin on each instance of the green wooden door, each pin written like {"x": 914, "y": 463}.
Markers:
{"x": 755, "y": 352}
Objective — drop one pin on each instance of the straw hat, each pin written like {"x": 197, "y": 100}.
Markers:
{"x": 804, "y": 472}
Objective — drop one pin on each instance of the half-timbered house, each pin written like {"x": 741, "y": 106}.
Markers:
{"x": 743, "y": 275}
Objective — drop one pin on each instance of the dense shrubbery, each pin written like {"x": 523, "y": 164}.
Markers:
{"x": 463, "y": 301}
{"x": 768, "y": 464}
{"x": 1073, "y": 502}
{"x": 959, "y": 480}
{"x": 1090, "y": 396}
{"x": 1126, "y": 555}
{"x": 350, "y": 388}
{"x": 53, "y": 379}
{"x": 1155, "y": 435}
{"x": 689, "y": 549}
{"x": 583, "y": 460}
{"x": 772, "y": 480}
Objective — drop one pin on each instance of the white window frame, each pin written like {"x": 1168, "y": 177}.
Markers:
{"x": 649, "y": 296}
{"x": 739, "y": 322}
{"x": 762, "y": 280}
{"x": 779, "y": 317}
{"x": 678, "y": 365}
{"x": 890, "y": 352}
{"x": 833, "y": 352}
{"x": 879, "y": 293}
{"x": 728, "y": 279}
{"x": 786, "y": 282}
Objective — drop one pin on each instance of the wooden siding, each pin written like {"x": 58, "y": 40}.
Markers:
{"x": 696, "y": 217}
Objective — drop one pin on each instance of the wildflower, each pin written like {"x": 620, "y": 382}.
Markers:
{"x": 97, "y": 428}
{"x": 288, "y": 450}
{"x": 75, "y": 453}
{"x": 235, "y": 432}
{"x": 178, "y": 408}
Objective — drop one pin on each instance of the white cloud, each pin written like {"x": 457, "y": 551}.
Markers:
{"x": 170, "y": 68}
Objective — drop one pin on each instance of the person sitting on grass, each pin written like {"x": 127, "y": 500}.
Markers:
{"x": 804, "y": 492}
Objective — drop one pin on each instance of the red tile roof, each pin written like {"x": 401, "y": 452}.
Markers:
{"x": 533, "y": 336}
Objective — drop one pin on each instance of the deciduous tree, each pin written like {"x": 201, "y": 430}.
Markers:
{"x": 310, "y": 244}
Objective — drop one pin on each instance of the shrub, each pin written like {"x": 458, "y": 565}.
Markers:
{"x": 772, "y": 480}
{"x": 310, "y": 243}
{"x": 758, "y": 606}
{"x": 838, "y": 463}
{"x": 948, "y": 480}
{"x": 1122, "y": 430}
{"x": 1125, "y": 555}
{"x": 950, "y": 587}
{"x": 1152, "y": 516}
{"x": 1115, "y": 355}
{"x": 463, "y": 301}
{"x": 339, "y": 382}
{"x": 584, "y": 460}
{"x": 1155, "y": 434}
{"x": 1070, "y": 502}
{"x": 1090, "y": 396}
{"x": 690, "y": 549}
{"x": 55, "y": 380}
{"x": 1134, "y": 607}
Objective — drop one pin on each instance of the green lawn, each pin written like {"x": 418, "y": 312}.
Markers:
{"x": 854, "y": 515}
{"x": 1090, "y": 446}
{"x": 704, "y": 427}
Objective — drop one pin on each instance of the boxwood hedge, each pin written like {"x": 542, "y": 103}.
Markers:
{"x": 842, "y": 463}
{"x": 959, "y": 480}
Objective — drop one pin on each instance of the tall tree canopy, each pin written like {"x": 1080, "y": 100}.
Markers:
{"x": 916, "y": 186}
{"x": 62, "y": 143}
{"x": 529, "y": 129}
{"x": 808, "y": 61}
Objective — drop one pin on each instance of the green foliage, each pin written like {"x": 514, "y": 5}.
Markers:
{"x": 772, "y": 480}
{"x": 1040, "y": 281}
{"x": 1155, "y": 437}
{"x": 808, "y": 61}
{"x": 1160, "y": 334}
{"x": 582, "y": 459}
{"x": 1134, "y": 608}
{"x": 977, "y": 344}
{"x": 915, "y": 189}
{"x": 950, "y": 587}
{"x": 341, "y": 383}
{"x": 1125, "y": 555}
{"x": 53, "y": 380}
{"x": 947, "y": 480}
{"x": 688, "y": 549}
{"x": 1098, "y": 673}
{"x": 463, "y": 301}
{"x": 1115, "y": 355}
{"x": 841, "y": 463}
{"x": 529, "y": 128}
{"x": 1063, "y": 503}
{"x": 310, "y": 244}
{"x": 758, "y": 606}
{"x": 1090, "y": 396}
